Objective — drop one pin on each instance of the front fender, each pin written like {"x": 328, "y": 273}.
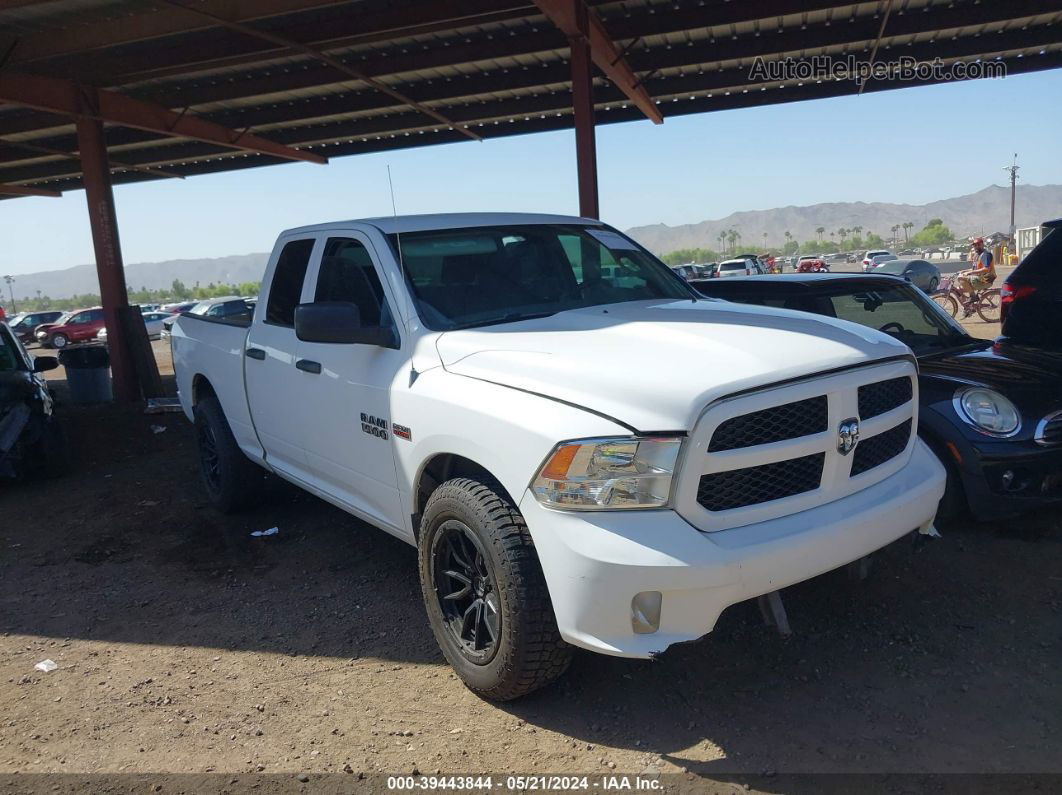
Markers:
{"x": 506, "y": 431}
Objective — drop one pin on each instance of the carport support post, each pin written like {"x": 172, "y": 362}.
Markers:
{"x": 583, "y": 106}
{"x": 104, "y": 223}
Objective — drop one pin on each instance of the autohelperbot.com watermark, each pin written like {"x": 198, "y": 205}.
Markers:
{"x": 849, "y": 67}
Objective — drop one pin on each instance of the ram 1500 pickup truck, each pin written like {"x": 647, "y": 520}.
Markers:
{"x": 583, "y": 450}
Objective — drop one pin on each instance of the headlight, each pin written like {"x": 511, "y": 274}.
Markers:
{"x": 609, "y": 474}
{"x": 988, "y": 411}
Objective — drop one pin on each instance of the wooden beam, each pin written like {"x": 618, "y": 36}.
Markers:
{"x": 22, "y": 190}
{"x": 68, "y": 98}
{"x": 565, "y": 15}
{"x": 335, "y": 63}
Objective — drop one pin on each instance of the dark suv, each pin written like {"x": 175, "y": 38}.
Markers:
{"x": 25, "y": 323}
{"x": 1032, "y": 295}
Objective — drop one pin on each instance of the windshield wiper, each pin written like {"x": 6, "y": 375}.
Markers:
{"x": 512, "y": 317}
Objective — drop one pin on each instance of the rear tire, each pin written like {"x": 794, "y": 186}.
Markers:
{"x": 58, "y": 341}
{"x": 947, "y": 302}
{"x": 508, "y": 645}
{"x": 232, "y": 481}
{"x": 988, "y": 308}
{"x": 933, "y": 284}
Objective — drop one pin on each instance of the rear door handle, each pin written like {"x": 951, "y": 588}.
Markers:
{"x": 255, "y": 353}
{"x": 309, "y": 367}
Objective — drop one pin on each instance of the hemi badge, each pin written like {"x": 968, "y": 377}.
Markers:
{"x": 401, "y": 431}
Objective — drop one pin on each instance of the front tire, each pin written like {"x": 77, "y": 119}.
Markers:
{"x": 58, "y": 341}
{"x": 232, "y": 481}
{"x": 485, "y": 593}
{"x": 947, "y": 302}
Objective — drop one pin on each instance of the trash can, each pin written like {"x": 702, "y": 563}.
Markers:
{"x": 88, "y": 373}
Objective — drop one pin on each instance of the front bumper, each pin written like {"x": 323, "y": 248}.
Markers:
{"x": 1005, "y": 479}
{"x": 595, "y": 563}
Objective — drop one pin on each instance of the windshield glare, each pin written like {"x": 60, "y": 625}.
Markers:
{"x": 892, "y": 266}
{"x": 484, "y": 275}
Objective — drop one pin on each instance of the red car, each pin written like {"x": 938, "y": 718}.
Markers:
{"x": 80, "y": 325}
{"x": 812, "y": 265}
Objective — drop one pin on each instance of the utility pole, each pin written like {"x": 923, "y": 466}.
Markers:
{"x": 11, "y": 292}
{"x": 1013, "y": 169}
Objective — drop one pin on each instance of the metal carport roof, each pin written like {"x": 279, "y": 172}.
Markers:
{"x": 487, "y": 68}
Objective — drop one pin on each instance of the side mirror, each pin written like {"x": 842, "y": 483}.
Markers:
{"x": 44, "y": 363}
{"x": 338, "y": 322}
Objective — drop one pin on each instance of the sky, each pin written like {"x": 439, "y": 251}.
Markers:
{"x": 912, "y": 145}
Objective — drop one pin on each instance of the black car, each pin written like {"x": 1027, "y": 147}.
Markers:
{"x": 1032, "y": 294}
{"x": 24, "y": 323}
{"x": 991, "y": 411}
{"x": 921, "y": 273}
{"x": 31, "y": 438}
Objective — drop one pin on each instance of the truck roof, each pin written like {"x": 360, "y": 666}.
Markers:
{"x": 389, "y": 225}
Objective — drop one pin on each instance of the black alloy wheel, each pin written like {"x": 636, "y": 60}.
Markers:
{"x": 209, "y": 460}
{"x": 467, "y": 591}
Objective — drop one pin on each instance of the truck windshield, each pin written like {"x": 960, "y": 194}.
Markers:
{"x": 479, "y": 276}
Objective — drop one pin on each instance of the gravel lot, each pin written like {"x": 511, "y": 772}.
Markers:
{"x": 186, "y": 646}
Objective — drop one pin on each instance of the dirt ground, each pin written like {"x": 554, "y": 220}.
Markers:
{"x": 184, "y": 645}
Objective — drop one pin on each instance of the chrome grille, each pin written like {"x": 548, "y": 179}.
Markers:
{"x": 761, "y": 455}
{"x": 776, "y": 424}
{"x": 1049, "y": 431}
{"x": 876, "y": 450}
{"x": 722, "y": 491}
{"x": 875, "y": 399}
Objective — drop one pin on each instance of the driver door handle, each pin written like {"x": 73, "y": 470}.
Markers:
{"x": 309, "y": 367}
{"x": 255, "y": 353}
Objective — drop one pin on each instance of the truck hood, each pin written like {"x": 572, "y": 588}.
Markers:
{"x": 655, "y": 365}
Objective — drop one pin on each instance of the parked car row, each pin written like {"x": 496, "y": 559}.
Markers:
{"x": 57, "y": 329}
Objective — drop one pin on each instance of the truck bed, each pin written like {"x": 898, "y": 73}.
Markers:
{"x": 208, "y": 354}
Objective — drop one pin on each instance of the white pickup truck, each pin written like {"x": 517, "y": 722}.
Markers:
{"x": 583, "y": 450}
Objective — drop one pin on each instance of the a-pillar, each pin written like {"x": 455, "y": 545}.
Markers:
{"x": 104, "y": 224}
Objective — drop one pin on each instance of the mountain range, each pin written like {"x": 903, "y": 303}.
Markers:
{"x": 983, "y": 212}
{"x": 82, "y": 280}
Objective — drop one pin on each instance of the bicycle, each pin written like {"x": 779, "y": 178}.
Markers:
{"x": 986, "y": 303}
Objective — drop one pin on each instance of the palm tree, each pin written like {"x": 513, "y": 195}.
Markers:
{"x": 895, "y": 231}
{"x": 732, "y": 236}
{"x": 819, "y": 230}
{"x": 764, "y": 241}
{"x": 722, "y": 238}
